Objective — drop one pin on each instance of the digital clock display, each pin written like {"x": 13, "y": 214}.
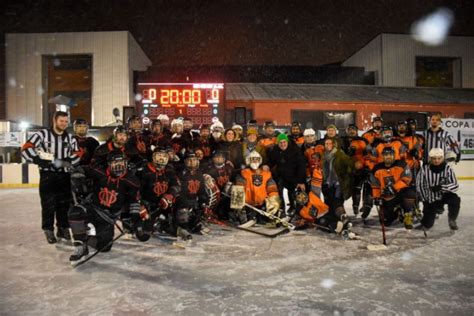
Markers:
{"x": 200, "y": 101}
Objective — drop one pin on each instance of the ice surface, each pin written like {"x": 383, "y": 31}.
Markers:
{"x": 236, "y": 272}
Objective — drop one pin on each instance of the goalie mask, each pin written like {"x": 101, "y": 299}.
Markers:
{"x": 253, "y": 160}
{"x": 160, "y": 158}
{"x": 117, "y": 164}
{"x": 191, "y": 161}
{"x": 301, "y": 199}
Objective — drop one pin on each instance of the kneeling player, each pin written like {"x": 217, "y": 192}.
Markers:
{"x": 192, "y": 199}
{"x": 260, "y": 189}
{"x": 159, "y": 189}
{"x": 391, "y": 188}
{"x": 114, "y": 189}
{"x": 437, "y": 185}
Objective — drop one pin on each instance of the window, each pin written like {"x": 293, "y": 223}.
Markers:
{"x": 469, "y": 115}
{"x": 443, "y": 72}
{"x": 239, "y": 115}
{"x": 392, "y": 118}
{"x": 318, "y": 120}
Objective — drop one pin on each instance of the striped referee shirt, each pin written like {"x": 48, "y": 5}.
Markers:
{"x": 428, "y": 178}
{"x": 440, "y": 139}
{"x": 62, "y": 146}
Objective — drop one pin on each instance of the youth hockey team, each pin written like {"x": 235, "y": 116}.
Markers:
{"x": 168, "y": 178}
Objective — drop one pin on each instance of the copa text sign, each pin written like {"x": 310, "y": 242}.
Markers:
{"x": 463, "y": 131}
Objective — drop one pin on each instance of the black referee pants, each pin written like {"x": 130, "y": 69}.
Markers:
{"x": 55, "y": 195}
{"x": 431, "y": 209}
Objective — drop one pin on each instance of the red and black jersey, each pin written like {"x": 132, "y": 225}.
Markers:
{"x": 154, "y": 183}
{"x": 221, "y": 175}
{"x": 100, "y": 155}
{"x": 192, "y": 189}
{"x": 87, "y": 146}
{"x": 205, "y": 145}
{"x": 138, "y": 141}
{"x": 113, "y": 193}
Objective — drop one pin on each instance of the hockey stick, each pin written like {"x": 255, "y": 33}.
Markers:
{"x": 382, "y": 220}
{"x": 268, "y": 215}
{"x": 75, "y": 265}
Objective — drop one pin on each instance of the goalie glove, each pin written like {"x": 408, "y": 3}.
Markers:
{"x": 388, "y": 191}
{"x": 228, "y": 187}
{"x": 272, "y": 204}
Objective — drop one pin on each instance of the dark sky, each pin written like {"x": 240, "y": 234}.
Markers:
{"x": 225, "y": 32}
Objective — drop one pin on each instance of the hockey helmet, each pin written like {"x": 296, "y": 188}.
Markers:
{"x": 301, "y": 199}
{"x": 218, "y": 158}
{"x": 253, "y": 160}
{"x": 191, "y": 160}
{"x": 80, "y": 126}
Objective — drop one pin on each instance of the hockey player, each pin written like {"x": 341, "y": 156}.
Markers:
{"x": 165, "y": 124}
{"x": 157, "y": 137}
{"x": 437, "y": 186}
{"x": 374, "y": 133}
{"x": 355, "y": 146}
{"x": 250, "y": 143}
{"x": 159, "y": 188}
{"x": 387, "y": 140}
{"x": 178, "y": 141}
{"x": 268, "y": 139}
{"x": 115, "y": 144}
{"x": 190, "y": 136}
{"x": 87, "y": 144}
{"x": 114, "y": 188}
{"x": 204, "y": 141}
{"x": 391, "y": 188}
{"x": 192, "y": 199}
{"x": 296, "y": 134}
{"x": 217, "y": 130}
{"x": 137, "y": 140}
{"x": 222, "y": 172}
{"x": 260, "y": 189}
{"x": 310, "y": 148}
{"x": 331, "y": 133}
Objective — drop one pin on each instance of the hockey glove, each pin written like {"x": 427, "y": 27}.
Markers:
{"x": 272, "y": 204}
{"x": 228, "y": 187}
{"x": 41, "y": 162}
{"x": 166, "y": 201}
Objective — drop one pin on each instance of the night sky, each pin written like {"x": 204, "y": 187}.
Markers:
{"x": 225, "y": 32}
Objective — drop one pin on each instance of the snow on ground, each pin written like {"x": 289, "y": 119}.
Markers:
{"x": 236, "y": 272}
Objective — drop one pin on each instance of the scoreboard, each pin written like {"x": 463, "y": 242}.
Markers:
{"x": 202, "y": 102}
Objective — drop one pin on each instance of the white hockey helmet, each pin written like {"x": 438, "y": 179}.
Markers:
{"x": 253, "y": 160}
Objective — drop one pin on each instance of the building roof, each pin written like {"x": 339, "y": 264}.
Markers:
{"x": 354, "y": 93}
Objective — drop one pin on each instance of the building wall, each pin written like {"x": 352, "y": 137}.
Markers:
{"x": 111, "y": 85}
{"x": 280, "y": 111}
{"x": 369, "y": 57}
{"x": 393, "y": 56}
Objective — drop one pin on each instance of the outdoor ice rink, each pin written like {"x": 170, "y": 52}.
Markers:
{"x": 236, "y": 272}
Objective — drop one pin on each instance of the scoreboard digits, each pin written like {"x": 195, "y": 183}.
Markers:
{"x": 199, "y": 101}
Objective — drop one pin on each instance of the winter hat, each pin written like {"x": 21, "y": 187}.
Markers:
{"x": 252, "y": 131}
{"x": 282, "y": 137}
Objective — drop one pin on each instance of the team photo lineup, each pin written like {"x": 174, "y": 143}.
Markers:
{"x": 174, "y": 178}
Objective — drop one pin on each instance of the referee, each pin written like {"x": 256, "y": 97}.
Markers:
{"x": 52, "y": 149}
{"x": 436, "y": 137}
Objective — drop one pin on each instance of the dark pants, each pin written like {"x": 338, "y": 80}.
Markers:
{"x": 405, "y": 199}
{"x": 55, "y": 195}
{"x": 431, "y": 209}
{"x": 81, "y": 215}
{"x": 333, "y": 198}
{"x": 357, "y": 190}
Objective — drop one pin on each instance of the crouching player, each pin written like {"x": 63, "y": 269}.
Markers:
{"x": 113, "y": 190}
{"x": 437, "y": 184}
{"x": 159, "y": 189}
{"x": 260, "y": 190}
{"x": 391, "y": 189}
